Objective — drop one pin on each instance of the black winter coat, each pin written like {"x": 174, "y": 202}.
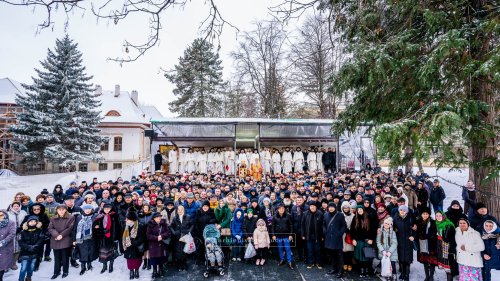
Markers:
{"x": 430, "y": 235}
{"x": 334, "y": 230}
{"x": 139, "y": 241}
{"x": 179, "y": 229}
{"x": 31, "y": 241}
{"x": 249, "y": 225}
{"x": 282, "y": 225}
{"x": 316, "y": 219}
{"x": 297, "y": 214}
{"x": 202, "y": 220}
{"x": 403, "y": 228}
{"x": 100, "y": 232}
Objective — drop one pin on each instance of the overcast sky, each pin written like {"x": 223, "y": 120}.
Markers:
{"x": 22, "y": 48}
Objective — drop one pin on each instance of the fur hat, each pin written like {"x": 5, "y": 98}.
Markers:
{"x": 131, "y": 214}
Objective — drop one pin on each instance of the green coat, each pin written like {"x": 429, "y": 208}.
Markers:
{"x": 223, "y": 216}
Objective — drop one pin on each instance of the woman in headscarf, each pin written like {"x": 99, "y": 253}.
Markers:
{"x": 82, "y": 235}
{"x": 469, "y": 248}
{"x": 491, "y": 254}
{"x": 17, "y": 216}
{"x": 454, "y": 212}
{"x": 133, "y": 242}
{"x": 446, "y": 246}
{"x": 182, "y": 225}
{"x": 107, "y": 229}
{"x": 7, "y": 236}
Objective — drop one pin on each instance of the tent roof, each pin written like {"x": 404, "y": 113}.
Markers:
{"x": 184, "y": 120}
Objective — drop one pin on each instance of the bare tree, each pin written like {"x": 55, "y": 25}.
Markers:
{"x": 259, "y": 64}
{"x": 315, "y": 60}
{"x": 117, "y": 11}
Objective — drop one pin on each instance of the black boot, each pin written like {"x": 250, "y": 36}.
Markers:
{"x": 82, "y": 271}
{"x": 111, "y": 266}
{"x": 1, "y": 274}
{"x": 426, "y": 270}
{"x": 407, "y": 272}
{"x": 145, "y": 264}
{"x": 131, "y": 274}
{"x": 432, "y": 269}
{"x": 149, "y": 265}
{"x": 74, "y": 263}
{"x": 155, "y": 271}
{"x": 89, "y": 266}
{"x": 449, "y": 277}
{"x": 136, "y": 274}
{"x": 104, "y": 267}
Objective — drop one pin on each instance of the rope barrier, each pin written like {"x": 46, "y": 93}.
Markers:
{"x": 484, "y": 193}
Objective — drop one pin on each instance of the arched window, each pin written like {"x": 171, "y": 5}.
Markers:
{"x": 113, "y": 113}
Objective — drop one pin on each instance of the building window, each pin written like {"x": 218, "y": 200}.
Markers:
{"x": 118, "y": 144}
{"x": 103, "y": 166}
{"x": 83, "y": 167}
{"x": 113, "y": 113}
{"x": 105, "y": 146}
{"x": 117, "y": 166}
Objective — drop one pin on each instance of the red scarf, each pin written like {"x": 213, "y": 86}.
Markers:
{"x": 107, "y": 225}
{"x": 383, "y": 215}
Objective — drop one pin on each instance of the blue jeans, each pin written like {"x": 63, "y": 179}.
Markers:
{"x": 27, "y": 267}
{"x": 438, "y": 207}
{"x": 284, "y": 242}
{"x": 313, "y": 251}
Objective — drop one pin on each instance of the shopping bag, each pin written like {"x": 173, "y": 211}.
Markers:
{"x": 386, "y": 267}
{"x": 250, "y": 251}
{"x": 190, "y": 246}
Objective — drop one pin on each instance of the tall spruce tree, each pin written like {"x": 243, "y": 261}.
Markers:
{"x": 425, "y": 75}
{"x": 59, "y": 121}
{"x": 198, "y": 81}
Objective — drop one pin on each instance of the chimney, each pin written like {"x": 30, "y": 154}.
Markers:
{"x": 117, "y": 90}
{"x": 98, "y": 90}
{"x": 135, "y": 96}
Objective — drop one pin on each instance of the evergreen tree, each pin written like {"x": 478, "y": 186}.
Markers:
{"x": 59, "y": 121}
{"x": 198, "y": 81}
{"x": 425, "y": 74}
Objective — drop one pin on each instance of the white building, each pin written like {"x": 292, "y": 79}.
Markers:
{"x": 124, "y": 123}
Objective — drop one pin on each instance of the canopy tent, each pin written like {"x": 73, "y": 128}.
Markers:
{"x": 243, "y": 132}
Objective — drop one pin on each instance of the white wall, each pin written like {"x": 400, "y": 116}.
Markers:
{"x": 134, "y": 145}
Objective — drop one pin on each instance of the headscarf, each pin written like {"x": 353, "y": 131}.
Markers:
{"x": 442, "y": 225}
{"x": 129, "y": 233}
{"x": 84, "y": 229}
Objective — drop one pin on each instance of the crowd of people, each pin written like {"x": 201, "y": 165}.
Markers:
{"x": 345, "y": 221}
{"x": 267, "y": 160}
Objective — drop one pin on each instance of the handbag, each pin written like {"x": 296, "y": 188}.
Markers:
{"x": 225, "y": 231}
{"x": 75, "y": 254}
{"x": 348, "y": 239}
{"x": 369, "y": 252}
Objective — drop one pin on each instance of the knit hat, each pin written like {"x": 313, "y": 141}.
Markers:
{"x": 250, "y": 210}
{"x": 331, "y": 204}
{"x": 206, "y": 203}
{"x": 403, "y": 208}
{"x": 261, "y": 222}
{"x": 169, "y": 201}
{"x": 360, "y": 207}
{"x": 388, "y": 220}
{"x": 464, "y": 218}
{"x": 480, "y": 205}
{"x": 425, "y": 210}
{"x": 87, "y": 206}
{"x": 266, "y": 199}
{"x": 132, "y": 215}
{"x": 353, "y": 204}
{"x": 31, "y": 218}
{"x": 50, "y": 195}
{"x": 345, "y": 204}
{"x": 381, "y": 205}
{"x": 156, "y": 215}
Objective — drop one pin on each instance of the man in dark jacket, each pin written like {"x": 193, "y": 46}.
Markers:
{"x": 437, "y": 196}
{"x": 297, "y": 213}
{"x": 38, "y": 210}
{"x": 480, "y": 216}
{"x": 334, "y": 228}
{"x": 312, "y": 233}
{"x": 282, "y": 231}
{"x": 158, "y": 159}
{"x": 329, "y": 159}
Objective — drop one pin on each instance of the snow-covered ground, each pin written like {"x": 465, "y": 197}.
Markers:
{"x": 32, "y": 185}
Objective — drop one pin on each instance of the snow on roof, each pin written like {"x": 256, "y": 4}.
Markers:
{"x": 9, "y": 89}
{"x": 151, "y": 112}
{"x": 129, "y": 112}
{"x": 243, "y": 120}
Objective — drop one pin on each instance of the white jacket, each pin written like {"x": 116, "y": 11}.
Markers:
{"x": 473, "y": 247}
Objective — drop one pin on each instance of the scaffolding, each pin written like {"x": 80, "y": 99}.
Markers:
{"x": 8, "y": 114}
